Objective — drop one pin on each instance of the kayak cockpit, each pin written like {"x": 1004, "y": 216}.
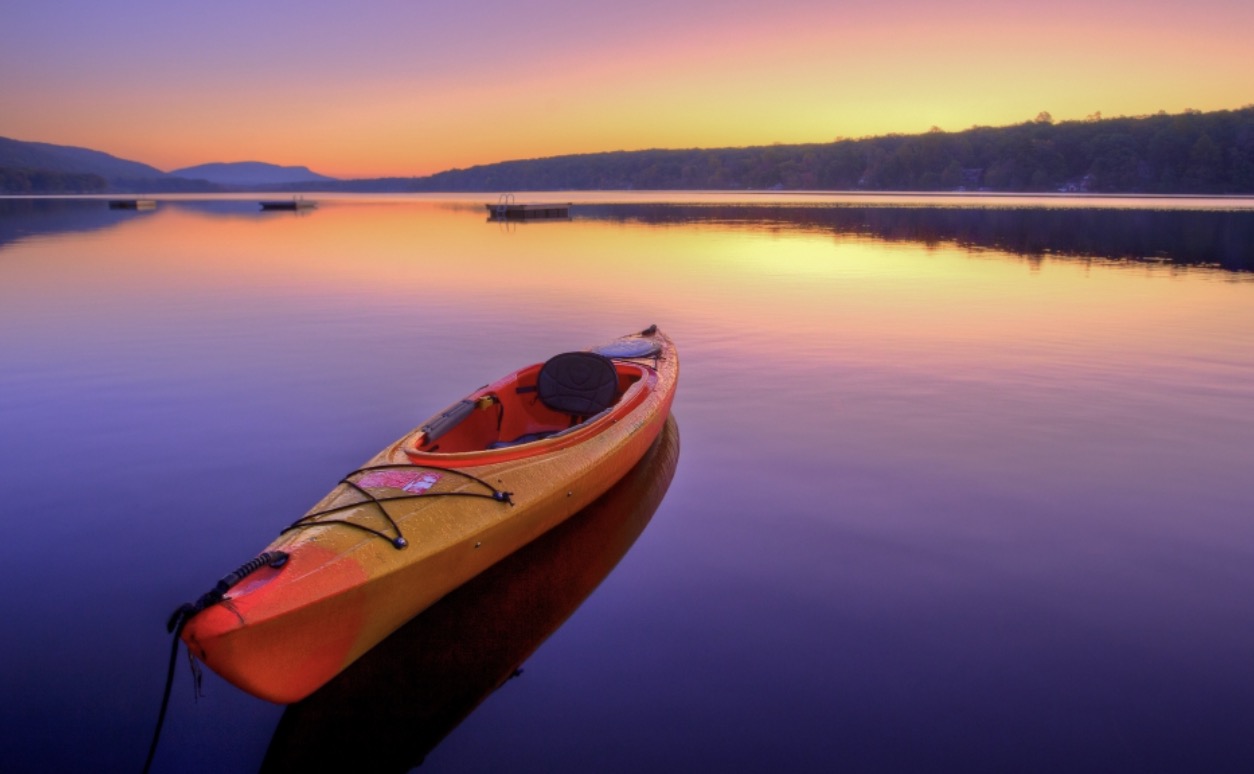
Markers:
{"x": 537, "y": 409}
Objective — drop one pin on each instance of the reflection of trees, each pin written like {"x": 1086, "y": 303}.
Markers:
{"x": 1186, "y": 237}
{"x": 22, "y": 218}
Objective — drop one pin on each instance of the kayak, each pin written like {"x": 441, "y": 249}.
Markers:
{"x": 446, "y": 501}
{"x": 394, "y": 705}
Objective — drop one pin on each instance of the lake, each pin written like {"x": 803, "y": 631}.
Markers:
{"x": 953, "y": 483}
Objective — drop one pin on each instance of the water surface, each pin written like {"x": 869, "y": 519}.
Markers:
{"x": 964, "y": 484}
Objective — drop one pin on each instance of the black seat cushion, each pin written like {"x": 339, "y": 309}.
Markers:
{"x": 578, "y": 383}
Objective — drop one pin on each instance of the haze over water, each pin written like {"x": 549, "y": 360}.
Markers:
{"x": 960, "y": 487}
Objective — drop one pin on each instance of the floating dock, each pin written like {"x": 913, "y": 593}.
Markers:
{"x": 132, "y": 204}
{"x": 506, "y": 209}
{"x": 288, "y": 204}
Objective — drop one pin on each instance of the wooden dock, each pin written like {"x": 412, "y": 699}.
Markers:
{"x": 506, "y": 209}
{"x": 132, "y": 204}
{"x": 288, "y": 204}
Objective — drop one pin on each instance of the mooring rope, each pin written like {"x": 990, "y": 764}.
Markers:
{"x": 179, "y": 618}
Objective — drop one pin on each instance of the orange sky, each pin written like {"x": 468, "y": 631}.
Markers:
{"x": 411, "y": 88}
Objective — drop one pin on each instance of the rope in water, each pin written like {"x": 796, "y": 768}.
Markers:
{"x": 179, "y": 618}
{"x": 276, "y": 559}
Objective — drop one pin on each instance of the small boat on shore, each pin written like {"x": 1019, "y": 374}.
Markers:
{"x": 447, "y": 500}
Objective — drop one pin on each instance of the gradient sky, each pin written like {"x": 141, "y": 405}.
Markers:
{"x": 411, "y": 87}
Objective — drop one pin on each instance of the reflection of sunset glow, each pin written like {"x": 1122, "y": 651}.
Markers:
{"x": 828, "y": 297}
{"x": 927, "y": 460}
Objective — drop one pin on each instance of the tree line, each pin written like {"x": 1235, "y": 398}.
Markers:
{"x": 43, "y": 181}
{"x": 1192, "y": 152}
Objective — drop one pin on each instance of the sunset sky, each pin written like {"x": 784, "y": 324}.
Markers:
{"x": 411, "y": 87}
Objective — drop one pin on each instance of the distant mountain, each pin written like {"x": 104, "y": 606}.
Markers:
{"x": 17, "y": 154}
{"x": 40, "y": 167}
{"x": 246, "y": 173}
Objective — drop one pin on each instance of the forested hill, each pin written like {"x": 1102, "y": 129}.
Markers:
{"x": 1185, "y": 153}
{"x": 1192, "y": 152}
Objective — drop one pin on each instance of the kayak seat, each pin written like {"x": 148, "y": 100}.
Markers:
{"x": 580, "y": 384}
{"x": 528, "y": 438}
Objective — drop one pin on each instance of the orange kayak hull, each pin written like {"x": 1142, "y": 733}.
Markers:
{"x": 390, "y": 708}
{"x": 281, "y": 633}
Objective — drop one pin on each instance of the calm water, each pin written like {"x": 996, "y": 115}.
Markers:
{"x": 964, "y": 485}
